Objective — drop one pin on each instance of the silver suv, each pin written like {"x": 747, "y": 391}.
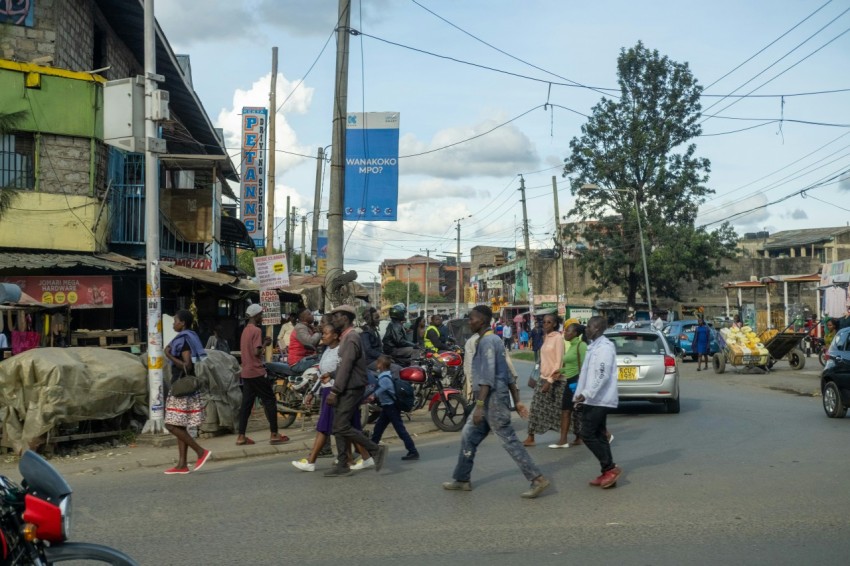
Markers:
{"x": 646, "y": 367}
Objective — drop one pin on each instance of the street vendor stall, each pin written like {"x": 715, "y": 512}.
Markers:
{"x": 31, "y": 324}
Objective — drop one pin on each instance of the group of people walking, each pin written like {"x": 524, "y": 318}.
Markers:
{"x": 591, "y": 369}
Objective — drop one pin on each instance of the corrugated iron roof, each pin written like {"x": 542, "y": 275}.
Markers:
{"x": 803, "y": 237}
{"x": 35, "y": 260}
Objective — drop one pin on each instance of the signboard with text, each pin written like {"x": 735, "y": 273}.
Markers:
{"x": 271, "y": 271}
{"x": 322, "y": 253}
{"x": 270, "y": 301}
{"x": 80, "y": 292}
{"x": 371, "y": 166}
{"x": 253, "y": 178}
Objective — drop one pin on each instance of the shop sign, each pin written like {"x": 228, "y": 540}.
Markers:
{"x": 82, "y": 292}
{"x": 270, "y": 301}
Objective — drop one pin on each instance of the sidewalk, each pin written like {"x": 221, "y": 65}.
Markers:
{"x": 160, "y": 450}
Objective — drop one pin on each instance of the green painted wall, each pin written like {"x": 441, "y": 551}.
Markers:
{"x": 61, "y": 106}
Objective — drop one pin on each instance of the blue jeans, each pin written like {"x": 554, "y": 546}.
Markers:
{"x": 391, "y": 415}
{"x": 497, "y": 418}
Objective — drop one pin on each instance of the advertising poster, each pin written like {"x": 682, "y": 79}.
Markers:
{"x": 270, "y": 301}
{"x": 252, "y": 187}
{"x": 271, "y": 271}
{"x": 322, "y": 253}
{"x": 80, "y": 292}
{"x": 371, "y": 166}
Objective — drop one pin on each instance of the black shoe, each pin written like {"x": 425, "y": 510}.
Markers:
{"x": 325, "y": 454}
{"x": 380, "y": 456}
{"x": 411, "y": 456}
{"x": 338, "y": 471}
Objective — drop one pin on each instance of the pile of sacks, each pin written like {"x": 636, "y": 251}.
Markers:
{"x": 745, "y": 345}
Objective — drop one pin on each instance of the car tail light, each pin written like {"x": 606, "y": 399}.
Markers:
{"x": 669, "y": 364}
{"x": 826, "y": 356}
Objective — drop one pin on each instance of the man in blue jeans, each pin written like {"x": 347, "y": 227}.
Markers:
{"x": 492, "y": 385}
{"x": 390, "y": 414}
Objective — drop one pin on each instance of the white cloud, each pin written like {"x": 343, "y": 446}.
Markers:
{"x": 258, "y": 95}
{"x": 317, "y": 17}
{"x": 219, "y": 20}
{"x": 430, "y": 189}
{"x": 753, "y": 211}
{"x": 503, "y": 152}
{"x": 796, "y": 214}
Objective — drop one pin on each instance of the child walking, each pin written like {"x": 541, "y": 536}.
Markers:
{"x": 390, "y": 414}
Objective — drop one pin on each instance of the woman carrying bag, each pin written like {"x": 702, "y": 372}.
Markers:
{"x": 570, "y": 369}
{"x": 187, "y": 410}
{"x": 545, "y": 413}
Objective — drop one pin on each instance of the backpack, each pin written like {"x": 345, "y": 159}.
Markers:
{"x": 404, "y": 395}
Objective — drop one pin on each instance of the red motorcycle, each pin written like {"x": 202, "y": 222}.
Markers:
{"x": 448, "y": 406}
{"x": 35, "y": 519}
{"x": 453, "y": 359}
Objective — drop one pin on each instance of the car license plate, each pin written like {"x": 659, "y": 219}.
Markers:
{"x": 628, "y": 373}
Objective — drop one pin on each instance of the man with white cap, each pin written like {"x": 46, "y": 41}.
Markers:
{"x": 347, "y": 392}
{"x": 254, "y": 382}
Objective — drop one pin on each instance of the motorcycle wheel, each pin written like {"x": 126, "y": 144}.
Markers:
{"x": 821, "y": 359}
{"x": 450, "y": 415}
{"x": 285, "y": 399}
{"x": 83, "y": 551}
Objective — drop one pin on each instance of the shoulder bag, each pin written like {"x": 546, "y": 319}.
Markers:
{"x": 185, "y": 385}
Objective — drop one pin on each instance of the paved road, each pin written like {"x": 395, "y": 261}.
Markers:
{"x": 743, "y": 475}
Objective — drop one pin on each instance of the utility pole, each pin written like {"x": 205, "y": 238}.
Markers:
{"x": 407, "y": 305}
{"x": 559, "y": 273}
{"x": 270, "y": 183}
{"x": 303, "y": 243}
{"x": 527, "y": 253}
{"x": 286, "y": 234}
{"x": 293, "y": 220}
{"x": 337, "y": 187}
{"x": 314, "y": 248}
{"x": 427, "y": 273}
{"x": 458, "y": 267}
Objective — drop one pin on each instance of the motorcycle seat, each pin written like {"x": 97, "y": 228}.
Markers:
{"x": 279, "y": 368}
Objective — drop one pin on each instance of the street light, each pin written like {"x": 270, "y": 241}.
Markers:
{"x": 594, "y": 187}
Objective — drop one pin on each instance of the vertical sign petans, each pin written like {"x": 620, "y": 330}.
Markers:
{"x": 253, "y": 185}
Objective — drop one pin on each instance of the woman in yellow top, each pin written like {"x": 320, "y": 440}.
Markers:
{"x": 545, "y": 413}
{"x": 831, "y": 330}
{"x": 570, "y": 368}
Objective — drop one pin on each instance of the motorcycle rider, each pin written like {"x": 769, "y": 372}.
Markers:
{"x": 304, "y": 339}
{"x": 433, "y": 339}
{"x": 370, "y": 338}
{"x": 395, "y": 342}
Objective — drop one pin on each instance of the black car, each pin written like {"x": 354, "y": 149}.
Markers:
{"x": 835, "y": 379}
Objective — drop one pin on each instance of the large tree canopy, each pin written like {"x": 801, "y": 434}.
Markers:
{"x": 638, "y": 151}
{"x": 396, "y": 292}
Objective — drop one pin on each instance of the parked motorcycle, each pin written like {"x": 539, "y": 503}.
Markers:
{"x": 447, "y": 405}
{"x": 35, "y": 520}
{"x": 290, "y": 389}
{"x": 817, "y": 346}
{"x": 453, "y": 359}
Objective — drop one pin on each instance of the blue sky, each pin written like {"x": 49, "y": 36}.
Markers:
{"x": 442, "y": 102}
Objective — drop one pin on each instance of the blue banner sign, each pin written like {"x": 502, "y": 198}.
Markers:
{"x": 253, "y": 183}
{"x": 371, "y": 166}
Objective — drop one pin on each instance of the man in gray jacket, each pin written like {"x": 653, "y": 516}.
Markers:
{"x": 596, "y": 394}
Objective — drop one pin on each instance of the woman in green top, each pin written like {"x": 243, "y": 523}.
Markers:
{"x": 831, "y": 329}
{"x": 570, "y": 368}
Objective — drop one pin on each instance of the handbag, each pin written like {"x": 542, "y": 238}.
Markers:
{"x": 532, "y": 379}
{"x": 185, "y": 385}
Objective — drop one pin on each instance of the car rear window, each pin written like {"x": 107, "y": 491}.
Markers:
{"x": 637, "y": 344}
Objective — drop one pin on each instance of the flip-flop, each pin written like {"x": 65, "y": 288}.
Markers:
{"x": 279, "y": 440}
{"x": 246, "y": 441}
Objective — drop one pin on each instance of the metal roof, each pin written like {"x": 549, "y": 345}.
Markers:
{"x": 34, "y": 260}
{"x": 127, "y": 20}
{"x": 803, "y": 237}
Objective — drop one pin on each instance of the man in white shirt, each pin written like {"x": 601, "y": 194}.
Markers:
{"x": 596, "y": 395}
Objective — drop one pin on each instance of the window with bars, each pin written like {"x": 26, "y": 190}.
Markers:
{"x": 17, "y": 159}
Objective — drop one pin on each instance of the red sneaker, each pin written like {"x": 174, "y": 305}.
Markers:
{"x": 609, "y": 478}
{"x": 202, "y": 460}
{"x": 172, "y": 471}
{"x": 598, "y": 481}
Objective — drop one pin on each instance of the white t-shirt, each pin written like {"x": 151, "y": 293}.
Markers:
{"x": 507, "y": 331}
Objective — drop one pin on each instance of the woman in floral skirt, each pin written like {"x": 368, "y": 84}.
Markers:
{"x": 545, "y": 413}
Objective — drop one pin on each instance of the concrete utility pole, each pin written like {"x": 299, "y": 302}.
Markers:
{"x": 427, "y": 272}
{"x": 293, "y": 220}
{"x": 303, "y": 243}
{"x": 270, "y": 183}
{"x": 458, "y": 267}
{"x": 337, "y": 188}
{"x": 286, "y": 233}
{"x": 559, "y": 274}
{"x": 153, "y": 145}
{"x": 314, "y": 248}
{"x": 527, "y": 253}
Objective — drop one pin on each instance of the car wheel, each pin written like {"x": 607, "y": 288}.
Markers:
{"x": 797, "y": 359}
{"x": 672, "y": 406}
{"x": 719, "y": 363}
{"x": 833, "y": 406}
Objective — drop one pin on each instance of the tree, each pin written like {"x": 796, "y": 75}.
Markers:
{"x": 641, "y": 144}
{"x": 396, "y": 292}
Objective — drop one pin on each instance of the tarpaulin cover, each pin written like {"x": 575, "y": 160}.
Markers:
{"x": 44, "y": 387}
{"x": 219, "y": 374}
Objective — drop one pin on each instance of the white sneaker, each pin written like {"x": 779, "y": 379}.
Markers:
{"x": 304, "y": 465}
{"x": 363, "y": 464}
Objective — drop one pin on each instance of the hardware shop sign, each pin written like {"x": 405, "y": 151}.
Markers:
{"x": 81, "y": 292}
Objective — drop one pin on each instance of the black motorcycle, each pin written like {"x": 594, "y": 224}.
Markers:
{"x": 35, "y": 520}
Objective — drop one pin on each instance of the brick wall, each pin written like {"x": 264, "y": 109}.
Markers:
{"x": 64, "y": 165}
{"x": 20, "y": 43}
